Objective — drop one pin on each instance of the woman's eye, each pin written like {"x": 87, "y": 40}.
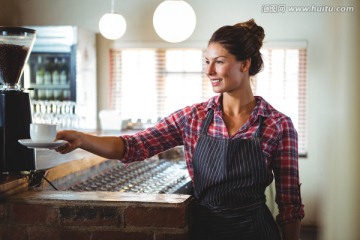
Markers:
{"x": 207, "y": 62}
{"x": 219, "y": 62}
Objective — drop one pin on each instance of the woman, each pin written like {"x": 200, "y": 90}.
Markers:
{"x": 235, "y": 143}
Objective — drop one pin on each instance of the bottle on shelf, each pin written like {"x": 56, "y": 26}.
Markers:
{"x": 41, "y": 94}
{"x": 40, "y": 71}
{"x": 64, "y": 69}
{"x": 48, "y": 71}
{"x": 58, "y": 95}
{"x": 66, "y": 95}
{"x": 56, "y": 72}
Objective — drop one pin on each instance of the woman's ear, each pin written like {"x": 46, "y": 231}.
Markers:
{"x": 246, "y": 65}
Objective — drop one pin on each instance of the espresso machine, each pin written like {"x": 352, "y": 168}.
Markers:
{"x": 15, "y": 110}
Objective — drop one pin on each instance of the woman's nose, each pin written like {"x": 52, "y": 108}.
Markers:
{"x": 210, "y": 69}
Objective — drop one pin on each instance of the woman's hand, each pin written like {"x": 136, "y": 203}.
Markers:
{"x": 73, "y": 139}
{"x": 291, "y": 231}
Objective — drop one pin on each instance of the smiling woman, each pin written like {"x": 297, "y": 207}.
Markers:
{"x": 235, "y": 144}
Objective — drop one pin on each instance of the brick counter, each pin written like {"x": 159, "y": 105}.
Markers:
{"x": 94, "y": 215}
{"x": 31, "y": 213}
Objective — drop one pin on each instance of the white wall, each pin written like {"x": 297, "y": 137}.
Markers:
{"x": 342, "y": 196}
{"x": 323, "y": 31}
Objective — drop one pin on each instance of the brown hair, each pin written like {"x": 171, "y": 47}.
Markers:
{"x": 244, "y": 41}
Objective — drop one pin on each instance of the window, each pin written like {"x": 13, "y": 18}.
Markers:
{"x": 283, "y": 84}
{"x": 183, "y": 77}
{"x": 156, "y": 80}
{"x": 152, "y": 83}
{"x": 134, "y": 84}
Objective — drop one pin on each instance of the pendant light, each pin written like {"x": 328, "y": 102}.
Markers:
{"x": 111, "y": 25}
{"x": 174, "y": 20}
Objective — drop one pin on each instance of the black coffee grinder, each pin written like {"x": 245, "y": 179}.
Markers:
{"x": 15, "y": 111}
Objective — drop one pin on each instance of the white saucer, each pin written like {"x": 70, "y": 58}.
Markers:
{"x": 49, "y": 145}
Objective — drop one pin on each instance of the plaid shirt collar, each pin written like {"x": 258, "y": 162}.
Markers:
{"x": 262, "y": 107}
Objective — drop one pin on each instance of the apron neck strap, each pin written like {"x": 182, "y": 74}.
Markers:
{"x": 258, "y": 131}
{"x": 208, "y": 120}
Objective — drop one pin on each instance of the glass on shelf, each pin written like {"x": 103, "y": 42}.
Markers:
{"x": 61, "y": 113}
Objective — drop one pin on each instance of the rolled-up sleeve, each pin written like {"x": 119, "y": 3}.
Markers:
{"x": 166, "y": 134}
{"x": 286, "y": 171}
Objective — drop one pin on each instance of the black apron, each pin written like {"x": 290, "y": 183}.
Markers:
{"x": 230, "y": 178}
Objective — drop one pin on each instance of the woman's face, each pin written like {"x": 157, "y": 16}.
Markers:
{"x": 225, "y": 72}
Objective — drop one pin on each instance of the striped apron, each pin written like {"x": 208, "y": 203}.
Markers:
{"x": 230, "y": 177}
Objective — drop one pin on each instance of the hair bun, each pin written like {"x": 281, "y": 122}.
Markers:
{"x": 253, "y": 28}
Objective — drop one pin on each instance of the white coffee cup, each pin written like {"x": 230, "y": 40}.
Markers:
{"x": 40, "y": 132}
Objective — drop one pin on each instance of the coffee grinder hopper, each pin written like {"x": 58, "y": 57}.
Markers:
{"x": 16, "y": 44}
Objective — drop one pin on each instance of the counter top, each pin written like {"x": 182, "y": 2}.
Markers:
{"x": 101, "y": 196}
{"x": 54, "y": 165}
{"x": 46, "y": 159}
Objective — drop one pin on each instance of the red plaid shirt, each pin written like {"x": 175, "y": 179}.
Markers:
{"x": 278, "y": 138}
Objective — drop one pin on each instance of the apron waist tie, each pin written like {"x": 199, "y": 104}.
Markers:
{"x": 241, "y": 208}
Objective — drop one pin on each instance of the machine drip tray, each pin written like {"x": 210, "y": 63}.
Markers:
{"x": 148, "y": 176}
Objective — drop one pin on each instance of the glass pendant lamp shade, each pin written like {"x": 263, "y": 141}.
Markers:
{"x": 174, "y": 20}
{"x": 112, "y": 26}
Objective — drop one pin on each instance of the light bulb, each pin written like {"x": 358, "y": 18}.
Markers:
{"x": 174, "y": 21}
{"x": 112, "y": 26}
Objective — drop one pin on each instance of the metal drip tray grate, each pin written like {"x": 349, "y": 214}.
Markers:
{"x": 149, "y": 176}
